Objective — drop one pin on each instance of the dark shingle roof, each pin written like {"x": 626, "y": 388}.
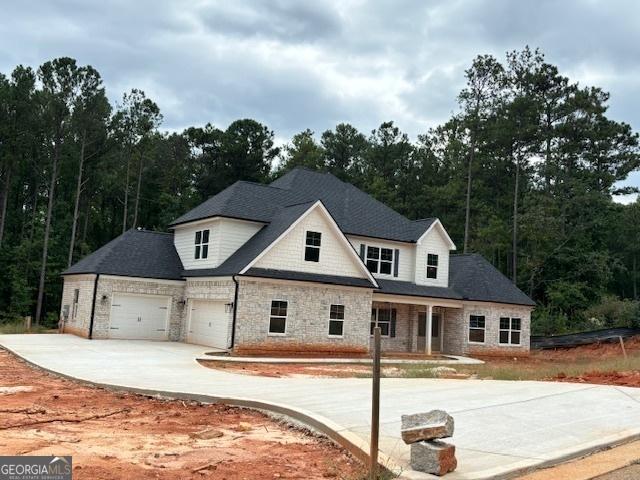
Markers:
{"x": 475, "y": 278}
{"x": 309, "y": 277}
{"x": 355, "y": 212}
{"x": 395, "y": 287}
{"x": 153, "y": 255}
{"x": 135, "y": 253}
{"x": 245, "y": 200}
{"x": 282, "y": 220}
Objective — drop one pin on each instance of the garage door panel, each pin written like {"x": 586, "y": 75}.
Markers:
{"x": 141, "y": 317}
{"x": 209, "y": 324}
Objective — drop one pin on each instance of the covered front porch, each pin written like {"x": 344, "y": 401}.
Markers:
{"x": 417, "y": 325}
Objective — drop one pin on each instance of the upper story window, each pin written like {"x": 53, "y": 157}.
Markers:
{"x": 476, "y": 328}
{"x": 312, "y": 247}
{"x": 432, "y": 265}
{"x": 202, "y": 244}
{"x": 379, "y": 260}
{"x": 510, "y": 331}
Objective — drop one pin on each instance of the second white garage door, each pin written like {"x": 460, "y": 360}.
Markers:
{"x": 209, "y": 324}
{"x": 142, "y": 317}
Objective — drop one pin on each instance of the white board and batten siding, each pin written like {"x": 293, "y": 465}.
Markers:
{"x": 335, "y": 259}
{"x": 139, "y": 317}
{"x": 209, "y": 324}
{"x": 434, "y": 243}
{"x": 225, "y": 237}
{"x": 406, "y": 256}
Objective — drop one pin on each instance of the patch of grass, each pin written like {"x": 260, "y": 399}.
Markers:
{"x": 18, "y": 326}
{"x": 536, "y": 370}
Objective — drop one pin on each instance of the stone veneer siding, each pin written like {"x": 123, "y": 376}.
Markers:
{"x": 456, "y": 329}
{"x": 78, "y": 324}
{"x": 307, "y": 316}
{"x": 113, "y": 285}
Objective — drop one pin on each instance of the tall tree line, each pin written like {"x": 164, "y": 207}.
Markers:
{"x": 523, "y": 173}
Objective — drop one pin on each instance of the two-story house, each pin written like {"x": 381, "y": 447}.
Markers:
{"x": 308, "y": 263}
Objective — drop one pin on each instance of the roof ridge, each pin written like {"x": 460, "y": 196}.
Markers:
{"x": 301, "y": 203}
{"x": 110, "y": 246}
{"x": 268, "y": 185}
{"x": 145, "y": 230}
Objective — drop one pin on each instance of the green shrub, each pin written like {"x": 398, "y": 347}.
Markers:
{"x": 614, "y": 312}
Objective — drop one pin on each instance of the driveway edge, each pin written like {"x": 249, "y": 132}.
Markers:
{"x": 337, "y": 433}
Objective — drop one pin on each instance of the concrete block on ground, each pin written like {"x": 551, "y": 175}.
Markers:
{"x": 426, "y": 426}
{"x": 433, "y": 456}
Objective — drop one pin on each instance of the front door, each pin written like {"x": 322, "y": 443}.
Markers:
{"x": 436, "y": 329}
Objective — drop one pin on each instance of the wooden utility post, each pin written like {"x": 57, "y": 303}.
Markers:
{"x": 624, "y": 352}
{"x": 375, "y": 407}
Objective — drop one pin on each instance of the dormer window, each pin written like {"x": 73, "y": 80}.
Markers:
{"x": 202, "y": 244}
{"x": 380, "y": 260}
{"x": 312, "y": 247}
{"x": 432, "y": 265}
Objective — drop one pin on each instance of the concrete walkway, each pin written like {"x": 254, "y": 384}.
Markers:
{"x": 501, "y": 427}
{"x": 450, "y": 360}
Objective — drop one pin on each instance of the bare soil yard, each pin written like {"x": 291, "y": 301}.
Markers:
{"x": 598, "y": 363}
{"x": 122, "y": 436}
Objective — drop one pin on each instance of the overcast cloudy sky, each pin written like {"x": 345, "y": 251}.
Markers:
{"x": 311, "y": 64}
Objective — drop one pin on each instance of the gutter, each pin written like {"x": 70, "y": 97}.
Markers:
{"x": 235, "y": 309}
{"x": 93, "y": 305}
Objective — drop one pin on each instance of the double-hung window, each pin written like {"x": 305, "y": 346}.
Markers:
{"x": 510, "y": 329}
{"x": 432, "y": 265}
{"x": 278, "y": 317}
{"x": 380, "y": 260}
{"x": 383, "y": 317}
{"x": 202, "y": 244}
{"x": 336, "y": 321}
{"x": 76, "y": 298}
{"x": 312, "y": 247}
{"x": 476, "y": 328}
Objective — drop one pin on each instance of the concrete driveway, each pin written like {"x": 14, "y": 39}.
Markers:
{"x": 501, "y": 427}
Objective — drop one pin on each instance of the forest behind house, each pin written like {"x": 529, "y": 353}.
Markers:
{"x": 524, "y": 173}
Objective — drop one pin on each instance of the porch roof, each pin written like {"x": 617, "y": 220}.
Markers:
{"x": 395, "y": 287}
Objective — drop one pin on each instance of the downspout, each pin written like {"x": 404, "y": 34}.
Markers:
{"x": 235, "y": 309}
{"x": 93, "y": 305}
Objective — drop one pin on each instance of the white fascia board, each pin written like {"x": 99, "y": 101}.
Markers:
{"x": 334, "y": 225}
{"x": 438, "y": 223}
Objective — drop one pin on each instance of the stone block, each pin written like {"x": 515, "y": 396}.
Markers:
{"x": 426, "y": 426}
{"x": 433, "y": 456}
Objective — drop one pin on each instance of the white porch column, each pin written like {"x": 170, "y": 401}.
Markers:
{"x": 429, "y": 321}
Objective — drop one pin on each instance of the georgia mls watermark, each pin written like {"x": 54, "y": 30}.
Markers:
{"x": 35, "y": 468}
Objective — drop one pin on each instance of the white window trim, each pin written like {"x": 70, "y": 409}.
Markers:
{"x": 377, "y": 309}
{"x": 76, "y": 303}
{"x": 469, "y": 328}
{"x": 201, "y": 244}
{"x": 286, "y": 319}
{"x": 336, "y": 320}
{"x": 510, "y": 330}
{"x": 393, "y": 259}
{"x": 436, "y": 266}
{"x": 304, "y": 245}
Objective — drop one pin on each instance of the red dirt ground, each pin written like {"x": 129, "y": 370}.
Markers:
{"x": 115, "y": 435}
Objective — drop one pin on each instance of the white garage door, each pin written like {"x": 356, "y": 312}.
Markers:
{"x": 209, "y": 324}
{"x": 142, "y": 317}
